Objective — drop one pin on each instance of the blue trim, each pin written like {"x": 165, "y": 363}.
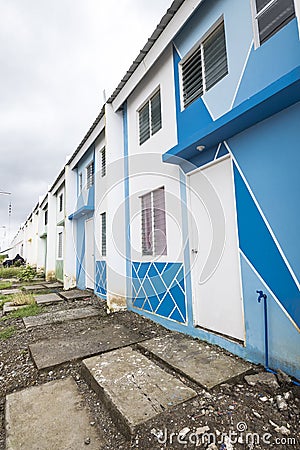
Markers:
{"x": 127, "y": 208}
{"x": 277, "y": 96}
{"x": 186, "y": 251}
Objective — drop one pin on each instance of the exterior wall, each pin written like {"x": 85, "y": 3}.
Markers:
{"x": 60, "y": 228}
{"x": 51, "y": 238}
{"x": 101, "y": 205}
{"x": 157, "y": 282}
{"x": 84, "y": 210}
{"x": 70, "y": 229}
{"x": 265, "y": 178}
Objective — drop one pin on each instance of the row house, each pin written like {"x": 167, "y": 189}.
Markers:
{"x": 180, "y": 202}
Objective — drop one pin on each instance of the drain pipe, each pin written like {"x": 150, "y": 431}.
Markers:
{"x": 263, "y": 296}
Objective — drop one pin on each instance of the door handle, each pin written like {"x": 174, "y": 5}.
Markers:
{"x": 194, "y": 251}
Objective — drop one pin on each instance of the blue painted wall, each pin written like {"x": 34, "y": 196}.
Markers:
{"x": 84, "y": 211}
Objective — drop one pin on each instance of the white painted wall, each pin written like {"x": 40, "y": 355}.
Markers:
{"x": 113, "y": 201}
{"x": 70, "y": 229}
{"x": 147, "y": 172}
{"x": 51, "y": 237}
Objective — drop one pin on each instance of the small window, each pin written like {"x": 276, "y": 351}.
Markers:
{"x": 60, "y": 202}
{"x": 154, "y": 241}
{"x": 103, "y": 162}
{"x": 207, "y": 65}
{"x": 46, "y": 217}
{"x": 271, "y": 16}
{"x": 90, "y": 175}
{"x": 80, "y": 182}
{"x": 150, "y": 118}
{"x": 60, "y": 245}
{"x": 103, "y": 234}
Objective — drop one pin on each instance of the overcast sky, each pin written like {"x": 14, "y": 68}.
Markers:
{"x": 56, "y": 58}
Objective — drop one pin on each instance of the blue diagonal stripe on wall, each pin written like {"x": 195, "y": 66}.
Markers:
{"x": 259, "y": 247}
{"x": 100, "y": 278}
{"x": 159, "y": 288}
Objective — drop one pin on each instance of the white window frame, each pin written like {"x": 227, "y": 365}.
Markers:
{"x": 255, "y": 16}
{"x": 148, "y": 102}
{"x": 187, "y": 56}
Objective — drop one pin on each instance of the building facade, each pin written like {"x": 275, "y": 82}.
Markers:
{"x": 180, "y": 203}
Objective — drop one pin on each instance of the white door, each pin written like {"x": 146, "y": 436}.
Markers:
{"x": 89, "y": 254}
{"x": 217, "y": 298}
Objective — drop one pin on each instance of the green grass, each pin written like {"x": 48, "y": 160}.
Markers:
{"x": 30, "y": 310}
{"x": 6, "y": 333}
{"x": 5, "y": 284}
{"x": 4, "y": 299}
{"x": 10, "y": 272}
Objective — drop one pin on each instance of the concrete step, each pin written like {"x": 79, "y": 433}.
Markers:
{"x": 55, "y": 351}
{"x": 60, "y": 316}
{"x": 132, "y": 387}
{"x": 75, "y": 294}
{"x": 47, "y": 299}
{"x": 204, "y": 364}
{"x": 34, "y": 287}
{"x": 50, "y": 416}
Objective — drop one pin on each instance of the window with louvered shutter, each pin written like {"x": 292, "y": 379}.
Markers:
{"x": 272, "y": 15}
{"x": 150, "y": 118}
{"x": 215, "y": 57}
{"x": 160, "y": 241}
{"x": 147, "y": 225}
{"x": 80, "y": 182}
{"x": 144, "y": 122}
{"x": 60, "y": 245}
{"x": 90, "y": 175}
{"x": 155, "y": 113}
{"x": 103, "y": 162}
{"x": 205, "y": 66}
{"x": 60, "y": 202}
{"x": 154, "y": 241}
{"x": 103, "y": 234}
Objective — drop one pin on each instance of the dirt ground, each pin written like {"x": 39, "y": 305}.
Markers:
{"x": 256, "y": 416}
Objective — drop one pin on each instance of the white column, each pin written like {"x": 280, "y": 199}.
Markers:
{"x": 51, "y": 238}
{"x": 70, "y": 229}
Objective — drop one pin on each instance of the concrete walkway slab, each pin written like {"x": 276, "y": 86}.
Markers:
{"x": 34, "y": 287}
{"x": 50, "y": 416}
{"x": 10, "y": 291}
{"x": 47, "y": 299}
{"x": 75, "y": 294}
{"x": 8, "y": 307}
{"x": 133, "y": 387}
{"x": 53, "y": 352}
{"x": 201, "y": 363}
{"x": 60, "y": 316}
{"x": 55, "y": 285}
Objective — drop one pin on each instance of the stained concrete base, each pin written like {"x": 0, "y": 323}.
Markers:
{"x": 200, "y": 362}
{"x": 47, "y": 299}
{"x": 133, "y": 387}
{"x": 53, "y": 352}
{"x": 75, "y": 294}
{"x": 60, "y": 316}
{"x": 47, "y": 417}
